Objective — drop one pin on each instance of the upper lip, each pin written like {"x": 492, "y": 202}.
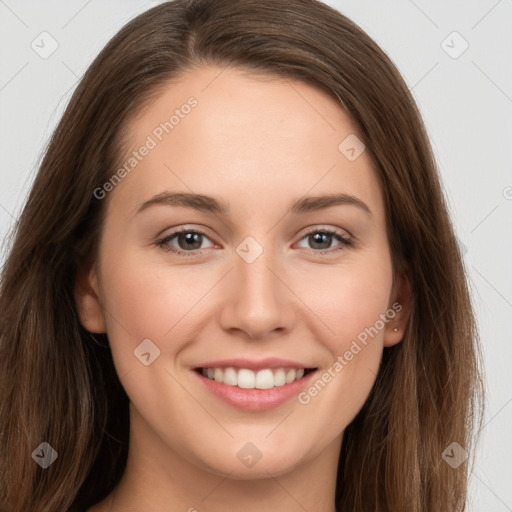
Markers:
{"x": 254, "y": 364}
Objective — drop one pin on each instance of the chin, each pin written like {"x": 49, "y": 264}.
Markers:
{"x": 243, "y": 460}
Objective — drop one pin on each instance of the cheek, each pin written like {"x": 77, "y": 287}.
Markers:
{"x": 145, "y": 301}
{"x": 354, "y": 313}
{"x": 351, "y": 304}
{"x": 348, "y": 299}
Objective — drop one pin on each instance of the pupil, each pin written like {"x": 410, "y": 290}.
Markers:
{"x": 190, "y": 239}
{"x": 316, "y": 238}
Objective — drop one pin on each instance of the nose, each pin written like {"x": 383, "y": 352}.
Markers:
{"x": 258, "y": 303}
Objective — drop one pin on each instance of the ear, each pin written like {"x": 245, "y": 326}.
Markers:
{"x": 88, "y": 302}
{"x": 400, "y": 305}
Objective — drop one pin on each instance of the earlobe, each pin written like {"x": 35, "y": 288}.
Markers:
{"x": 87, "y": 301}
{"x": 398, "y": 310}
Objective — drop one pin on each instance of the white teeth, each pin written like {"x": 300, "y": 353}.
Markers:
{"x": 230, "y": 377}
{"x": 279, "y": 378}
{"x": 264, "y": 379}
{"x": 248, "y": 379}
{"x": 290, "y": 376}
{"x": 218, "y": 375}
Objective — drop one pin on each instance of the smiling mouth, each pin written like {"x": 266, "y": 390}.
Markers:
{"x": 244, "y": 378}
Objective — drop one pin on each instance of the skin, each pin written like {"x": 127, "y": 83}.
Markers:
{"x": 258, "y": 143}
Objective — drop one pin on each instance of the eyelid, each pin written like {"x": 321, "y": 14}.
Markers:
{"x": 343, "y": 233}
{"x": 344, "y": 237}
{"x": 162, "y": 241}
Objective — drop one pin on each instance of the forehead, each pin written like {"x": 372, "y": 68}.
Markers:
{"x": 225, "y": 131}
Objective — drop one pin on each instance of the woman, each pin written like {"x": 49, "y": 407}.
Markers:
{"x": 235, "y": 282}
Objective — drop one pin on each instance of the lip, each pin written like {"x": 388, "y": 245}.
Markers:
{"x": 255, "y": 400}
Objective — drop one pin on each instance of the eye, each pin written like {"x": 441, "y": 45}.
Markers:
{"x": 321, "y": 240}
{"x": 184, "y": 242}
{"x": 189, "y": 242}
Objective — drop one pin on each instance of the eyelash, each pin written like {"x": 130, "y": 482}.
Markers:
{"x": 345, "y": 243}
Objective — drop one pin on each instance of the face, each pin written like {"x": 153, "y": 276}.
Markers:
{"x": 223, "y": 276}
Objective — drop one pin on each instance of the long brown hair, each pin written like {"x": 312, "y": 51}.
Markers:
{"x": 57, "y": 381}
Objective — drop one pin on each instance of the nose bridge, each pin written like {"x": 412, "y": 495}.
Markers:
{"x": 257, "y": 302}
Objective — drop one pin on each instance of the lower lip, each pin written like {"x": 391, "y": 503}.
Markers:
{"x": 255, "y": 399}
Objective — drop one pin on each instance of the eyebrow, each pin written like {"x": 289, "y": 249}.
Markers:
{"x": 220, "y": 207}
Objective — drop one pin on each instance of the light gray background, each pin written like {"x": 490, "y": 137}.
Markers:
{"x": 466, "y": 103}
